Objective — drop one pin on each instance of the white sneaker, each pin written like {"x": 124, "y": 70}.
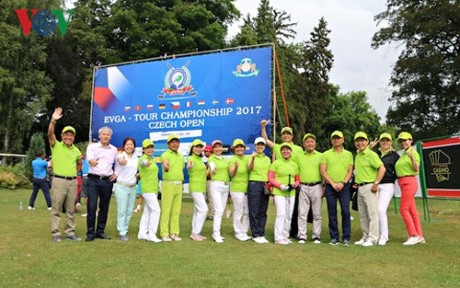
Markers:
{"x": 175, "y": 237}
{"x": 264, "y": 240}
{"x": 368, "y": 244}
{"x": 242, "y": 237}
{"x": 49, "y": 208}
{"x": 382, "y": 242}
{"x": 218, "y": 239}
{"x": 412, "y": 241}
{"x": 142, "y": 236}
{"x": 153, "y": 238}
{"x": 166, "y": 239}
{"x": 30, "y": 208}
{"x": 84, "y": 215}
{"x": 301, "y": 241}
{"x": 282, "y": 242}
{"x": 317, "y": 241}
{"x": 360, "y": 242}
{"x": 258, "y": 240}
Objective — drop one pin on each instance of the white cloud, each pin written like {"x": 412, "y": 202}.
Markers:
{"x": 357, "y": 67}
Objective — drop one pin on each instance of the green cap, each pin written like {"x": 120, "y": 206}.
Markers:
{"x": 404, "y": 136}
{"x": 287, "y": 129}
{"x": 309, "y": 135}
{"x": 172, "y": 137}
{"x": 360, "y": 134}
{"x": 337, "y": 133}
{"x": 147, "y": 142}
{"x": 67, "y": 129}
{"x": 238, "y": 142}
{"x": 197, "y": 142}
{"x": 285, "y": 144}
{"x": 386, "y": 135}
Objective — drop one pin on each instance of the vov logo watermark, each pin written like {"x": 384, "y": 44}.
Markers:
{"x": 44, "y": 22}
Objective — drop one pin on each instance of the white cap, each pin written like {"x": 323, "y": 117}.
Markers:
{"x": 260, "y": 140}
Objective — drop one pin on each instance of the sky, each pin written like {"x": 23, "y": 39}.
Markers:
{"x": 357, "y": 67}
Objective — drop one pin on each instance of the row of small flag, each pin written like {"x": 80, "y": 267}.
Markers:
{"x": 176, "y": 105}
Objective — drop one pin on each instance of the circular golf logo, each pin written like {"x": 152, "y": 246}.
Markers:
{"x": 177, "y": 83}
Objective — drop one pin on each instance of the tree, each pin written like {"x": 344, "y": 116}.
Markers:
{"x": 426, "y": 77}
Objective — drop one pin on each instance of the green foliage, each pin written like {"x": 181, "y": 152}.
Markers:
{"x": 426, "y": 98}
{"x": 12, "y": 177}
{"x": 36, "y": 144}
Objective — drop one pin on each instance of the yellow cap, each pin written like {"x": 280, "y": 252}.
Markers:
{"x": 337, "y": 133}
{"x": 172, "y": 137}
{"x": 147, "y": 142}
{"x": 67, "y": 129}
{"x": 238, "y": 142}
{"x": 386, "y": 135}
{"x": 285, "y": 144}
{"x": 287, "y": 129}
{"x": 404, "y": 136}
{"x": 197, "y": 142}
{"x": 309, "y": 135}
{"x": 360, "y": 134}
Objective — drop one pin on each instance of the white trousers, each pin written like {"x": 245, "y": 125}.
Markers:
{"x": 284, "y": 208}
{"x": 200, "y": 211}
{"x": 219, "y": 195}
{"x": 386, "y": 192}
{"x": 151, "y": 215}
{"x": 240, "y": 213}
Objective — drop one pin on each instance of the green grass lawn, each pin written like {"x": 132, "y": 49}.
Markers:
{"x": 28, "y": 257}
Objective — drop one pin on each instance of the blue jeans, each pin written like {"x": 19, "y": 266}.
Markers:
{"x": 344, "y": 199}
{"x": 40, "y": 183}
{"x": 258, "y": 205}
{"x": 102, "y": 189}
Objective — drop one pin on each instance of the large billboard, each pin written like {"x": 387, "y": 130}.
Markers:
{"x": 216, "y": 95}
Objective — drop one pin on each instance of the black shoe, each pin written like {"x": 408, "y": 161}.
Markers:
{"x": 89, "y": 239}
{"x": 103, "y": 236}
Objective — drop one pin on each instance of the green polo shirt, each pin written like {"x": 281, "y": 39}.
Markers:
{"x": 404, "y": 167}
{"x": 148, "y": 175}
{"x": 197, "y": 175}
{"x": 284, "y": 170}
{"x": 65, "y": 159}
{"x": 296, "y": 150}
{"x": 367, "y": 163}
{"x": 176, "y": 166}
{"x": 241, "y": 178}
{"x": 309, "y": 166}
{"x": 261, "y": 167}
{"x": 221, "y": 168}
{"x": 337, "y": 163}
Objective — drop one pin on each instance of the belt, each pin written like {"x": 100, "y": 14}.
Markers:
{"x": 408, "y": 176}
{"x": 94, "y": 176}
{"x": 174, "y": 182}
{"x": 126, "y": 184}
{"x": 225, "y": 183}
{"x": 65, "y": 177}
{"x": 364, "y": 183}
{"x": 311, "y": 183}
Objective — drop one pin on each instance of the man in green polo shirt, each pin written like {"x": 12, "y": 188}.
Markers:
{"x": 369, "y": 171}
{"x": 171, "y": 193}
{"x": 311, "y": 189}
{"x": 66, "y": 162}
{"x": 336, "y": 169}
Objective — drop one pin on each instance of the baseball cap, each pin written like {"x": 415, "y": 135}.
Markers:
{"x": 360, "y": 134}
{"x": 208, "y": 148}
{"x": 197, "y": 142}
{"x": 237, "y": 142}
{"x": 337, "y": 133}
{"x": 311, "y": 135}
{"x": 67, "y": 129}
{"x": 147, "y": 142}
{"x": 216, "y": 142}
{"x": 172, "y": 137}
{"x": 260, "y": 140}
{"x": 385, "y": 135}
{"x": 404, "y": 136}
{"x": 285, "y": 144}
{"x": 287, "y": 129}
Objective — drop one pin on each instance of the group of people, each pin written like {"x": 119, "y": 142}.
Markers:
{"x": 299, "y": 177}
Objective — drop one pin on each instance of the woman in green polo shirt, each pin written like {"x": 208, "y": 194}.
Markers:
{"x": 284, "y": 176}
{"x": 238, "y": 170}
{"x": 197, "y": 187}
{"x": 219, "y": 189}
{"x": 407, "y": 167}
